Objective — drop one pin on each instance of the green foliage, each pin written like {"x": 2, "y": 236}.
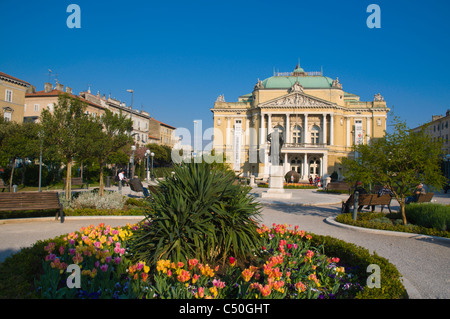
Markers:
{"x": 358, "y": 258}
{"x": 18, "y": 271}
{"x": 199, "y": 212}
{"x": 401, "y": 160}
{"x": 430, "y": 215}
{"x": 390, "y": 222}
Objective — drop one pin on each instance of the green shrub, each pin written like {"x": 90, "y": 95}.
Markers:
{"x": 18, "y": 271}
{"x": 367, "y": 220}
{"x": 358, "y": 258}
{"x": 429, "y": 215}
{"x": 199, "y": 212}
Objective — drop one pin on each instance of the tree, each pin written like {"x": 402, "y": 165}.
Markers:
{"x": 65, "y": 131}
{"x": 18, "y": 141}
{"x": 400, "y": 160}
{"x": 112, "y": 135}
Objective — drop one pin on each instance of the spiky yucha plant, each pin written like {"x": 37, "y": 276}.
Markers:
{"x": 199, "y": 212}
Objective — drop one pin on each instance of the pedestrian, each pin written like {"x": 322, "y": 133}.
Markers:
{"x": 416, "y": 193}
{"x": 122, "y": 178}
{"x": 136, "y": 185}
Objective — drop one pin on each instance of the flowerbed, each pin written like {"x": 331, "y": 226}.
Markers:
{"x": 290, "y": 267}
{"x": 291, "y": 185}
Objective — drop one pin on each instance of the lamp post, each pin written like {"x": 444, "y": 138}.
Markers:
{"x": 147, "y": 155}
{"x": 40, "y": 162}
{"x": 152, "y": 154}
{"x": 133, "y": 148}
{"x": 132, "y": 93}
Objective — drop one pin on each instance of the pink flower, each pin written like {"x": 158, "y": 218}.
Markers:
{"x": 104, "y": 267}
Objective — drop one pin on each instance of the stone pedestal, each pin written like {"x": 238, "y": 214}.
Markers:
{"x": 252, "y": 181}
{"x": 276, "y": 181}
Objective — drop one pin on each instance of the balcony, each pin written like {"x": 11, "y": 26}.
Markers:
{"x": 304, "y": 145}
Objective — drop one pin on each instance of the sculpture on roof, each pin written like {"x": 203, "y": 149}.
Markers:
{"x": 378, "y": 97}
{"x": 220, "y": 98}
{"x": 336, "y": 84}
{"x": 258, "y": 85}
{"x": 296, "y": 87}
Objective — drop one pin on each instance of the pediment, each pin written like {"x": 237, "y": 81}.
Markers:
{"x": 297, "y": 99}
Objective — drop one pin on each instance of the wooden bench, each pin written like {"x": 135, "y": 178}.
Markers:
{"x": 76, "y": 181}
{"x": 425, "y": 198}
{"x": 23, "y": 201}
{"x": 370, "y": 200}
{"x": 340, "y": 186}
{"x": 3, "y": 186}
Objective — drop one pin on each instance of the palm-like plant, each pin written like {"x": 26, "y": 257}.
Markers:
{"x": 199, "y": 212}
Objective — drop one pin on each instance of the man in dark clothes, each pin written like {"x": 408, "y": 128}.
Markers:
{"x": 136, "y": 185}
{"x": 349, "y": 202}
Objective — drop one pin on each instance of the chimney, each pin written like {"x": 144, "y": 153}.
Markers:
{"x": 31, "y": 89}
{"x": 68, "y": 90}
{"x": 59, "y": 87}
{"x": 48, "y": 87}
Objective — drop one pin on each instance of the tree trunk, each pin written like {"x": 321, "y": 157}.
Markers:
{"x": 101, "y": 186}
{"x": 69, "y": 181}
{"x": 402, "y": 208}
{"x": 12, "y": 175}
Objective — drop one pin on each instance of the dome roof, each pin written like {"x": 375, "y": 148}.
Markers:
{"x": 308, "y": 82}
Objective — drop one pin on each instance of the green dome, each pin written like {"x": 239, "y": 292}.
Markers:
{"x": 308, "y": 82}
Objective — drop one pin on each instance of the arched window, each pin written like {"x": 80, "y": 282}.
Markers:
{"x": 315, "y": 134}
{"x": 297, "y": 134}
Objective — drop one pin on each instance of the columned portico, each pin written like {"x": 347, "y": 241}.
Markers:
{"x": 316, "y": 115}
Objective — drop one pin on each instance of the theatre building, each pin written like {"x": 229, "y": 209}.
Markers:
{"x": 319, "y": 120}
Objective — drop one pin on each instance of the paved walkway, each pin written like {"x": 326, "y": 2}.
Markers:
{"x": 422, "y": 260}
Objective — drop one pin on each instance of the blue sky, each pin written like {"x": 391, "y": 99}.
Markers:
{"x": 178, "y": 56}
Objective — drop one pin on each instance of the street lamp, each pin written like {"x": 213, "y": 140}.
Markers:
{"x": 131, "y": 91}
{"x": 133, "y": 148}
{"x": 153, "y": 176}
{"x": 147, "y": 155}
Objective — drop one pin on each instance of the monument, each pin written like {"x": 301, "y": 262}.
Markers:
{"x": 276, "y": 171}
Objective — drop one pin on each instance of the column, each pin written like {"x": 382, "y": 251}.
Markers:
{"x": 321, "y": 168}
{"x": 286, "y": 164}
{"x": 324, "y": 129}
{"x": 262, "y": 137}
{"x": 348, "y": 132}
{"x": 305, "y": 129}
{"x": 331, "y": 128}
{"x": 305, "y": 167}
{"x": 269, "y": 123}
{"x": 287, "y": 130}
{"x": 368, "y": 133}
{"x": 228, "y": 133}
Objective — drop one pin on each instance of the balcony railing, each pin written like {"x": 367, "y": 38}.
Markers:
{"x": 304, "y": 145}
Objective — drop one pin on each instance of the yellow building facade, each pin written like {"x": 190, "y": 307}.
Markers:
{"x": 319, "y": 122}
{"x": 12, "y": 97}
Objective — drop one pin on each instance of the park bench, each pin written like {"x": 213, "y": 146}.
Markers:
{"x": 370, "y": 200}
{"x": 3, "y": 186}
{"x": 76, "y": 181}
{"x": 24, "y": 201}
{"x": 424, "y": 198}
{"x": 339, "y": 186}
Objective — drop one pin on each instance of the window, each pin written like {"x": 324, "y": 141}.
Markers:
{"x": 36, "y": 107}
{"x": 315, "y": 135}
{"x": 297, "y": 134}
{"x": 7, "y": 116}
{"x": 8, "y": 95}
